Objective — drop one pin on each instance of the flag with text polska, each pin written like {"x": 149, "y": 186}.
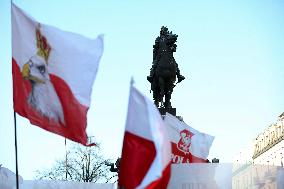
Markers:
{"x": 188, "y": 144}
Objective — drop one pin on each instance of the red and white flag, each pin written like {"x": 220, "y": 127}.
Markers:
{"x": 53, "y": 75}
{"x": 145, "y": 160}
{"x": 188, "y": 144}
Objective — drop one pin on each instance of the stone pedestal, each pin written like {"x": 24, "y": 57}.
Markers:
{"x": 169, "y": 110}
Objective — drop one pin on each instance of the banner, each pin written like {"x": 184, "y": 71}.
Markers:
{"x": 188, "y": 144}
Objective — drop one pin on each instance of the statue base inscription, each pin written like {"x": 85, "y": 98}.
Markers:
{"x": 169, "y": 110}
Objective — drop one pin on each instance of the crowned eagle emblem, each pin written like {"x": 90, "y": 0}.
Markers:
{"x": 185, "y": 141}
{"x": 42, "y": 97}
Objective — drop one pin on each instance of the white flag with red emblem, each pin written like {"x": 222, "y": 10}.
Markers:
{"x": 145, "y": 160}
{"x": 53, "y": 74}
{"x": 188, "y": 144}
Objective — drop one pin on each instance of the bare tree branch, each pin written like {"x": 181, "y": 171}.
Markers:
{"x": 84, "y": 164}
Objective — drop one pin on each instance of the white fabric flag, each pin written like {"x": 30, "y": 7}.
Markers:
{"x": 188, "y": 144}
{"x": 145, "y": 161}
{"x": 53, "y": 75}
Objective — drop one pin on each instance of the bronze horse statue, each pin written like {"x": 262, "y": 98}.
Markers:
{"x": 165, "y": 69}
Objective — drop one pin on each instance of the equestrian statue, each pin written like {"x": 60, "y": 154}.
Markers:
{"x": 164, "y": 69}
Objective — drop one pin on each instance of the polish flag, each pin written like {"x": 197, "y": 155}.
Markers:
{"x": 145, "y": 161}
{"x": 188, "y": 144}
{"x": 53, "y": 75}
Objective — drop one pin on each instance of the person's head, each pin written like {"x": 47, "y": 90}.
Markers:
{"x": 164, "y": 31}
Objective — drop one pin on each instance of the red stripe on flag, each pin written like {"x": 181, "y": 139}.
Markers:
{"x": 162, "y": 182}
{"x": 75, "y": 114}
{"x": 137, "y": 156}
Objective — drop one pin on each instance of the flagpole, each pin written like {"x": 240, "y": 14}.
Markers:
{"x": 65, "y": 160}
{"x": 15, "y": 134}
{"x": 16, "y": 151}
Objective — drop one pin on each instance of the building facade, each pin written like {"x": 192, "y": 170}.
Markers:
{"x": 269, "y": 145}
{"x": 261, "y": 164}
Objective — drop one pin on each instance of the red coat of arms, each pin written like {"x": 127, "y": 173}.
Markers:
{"x": 185, "y": 141}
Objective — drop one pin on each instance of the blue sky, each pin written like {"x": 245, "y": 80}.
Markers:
{"x": 231, "y": 54}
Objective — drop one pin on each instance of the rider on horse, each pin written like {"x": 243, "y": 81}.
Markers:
{"x": 170, "y": 39}
{"x": 164, "y": 68}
